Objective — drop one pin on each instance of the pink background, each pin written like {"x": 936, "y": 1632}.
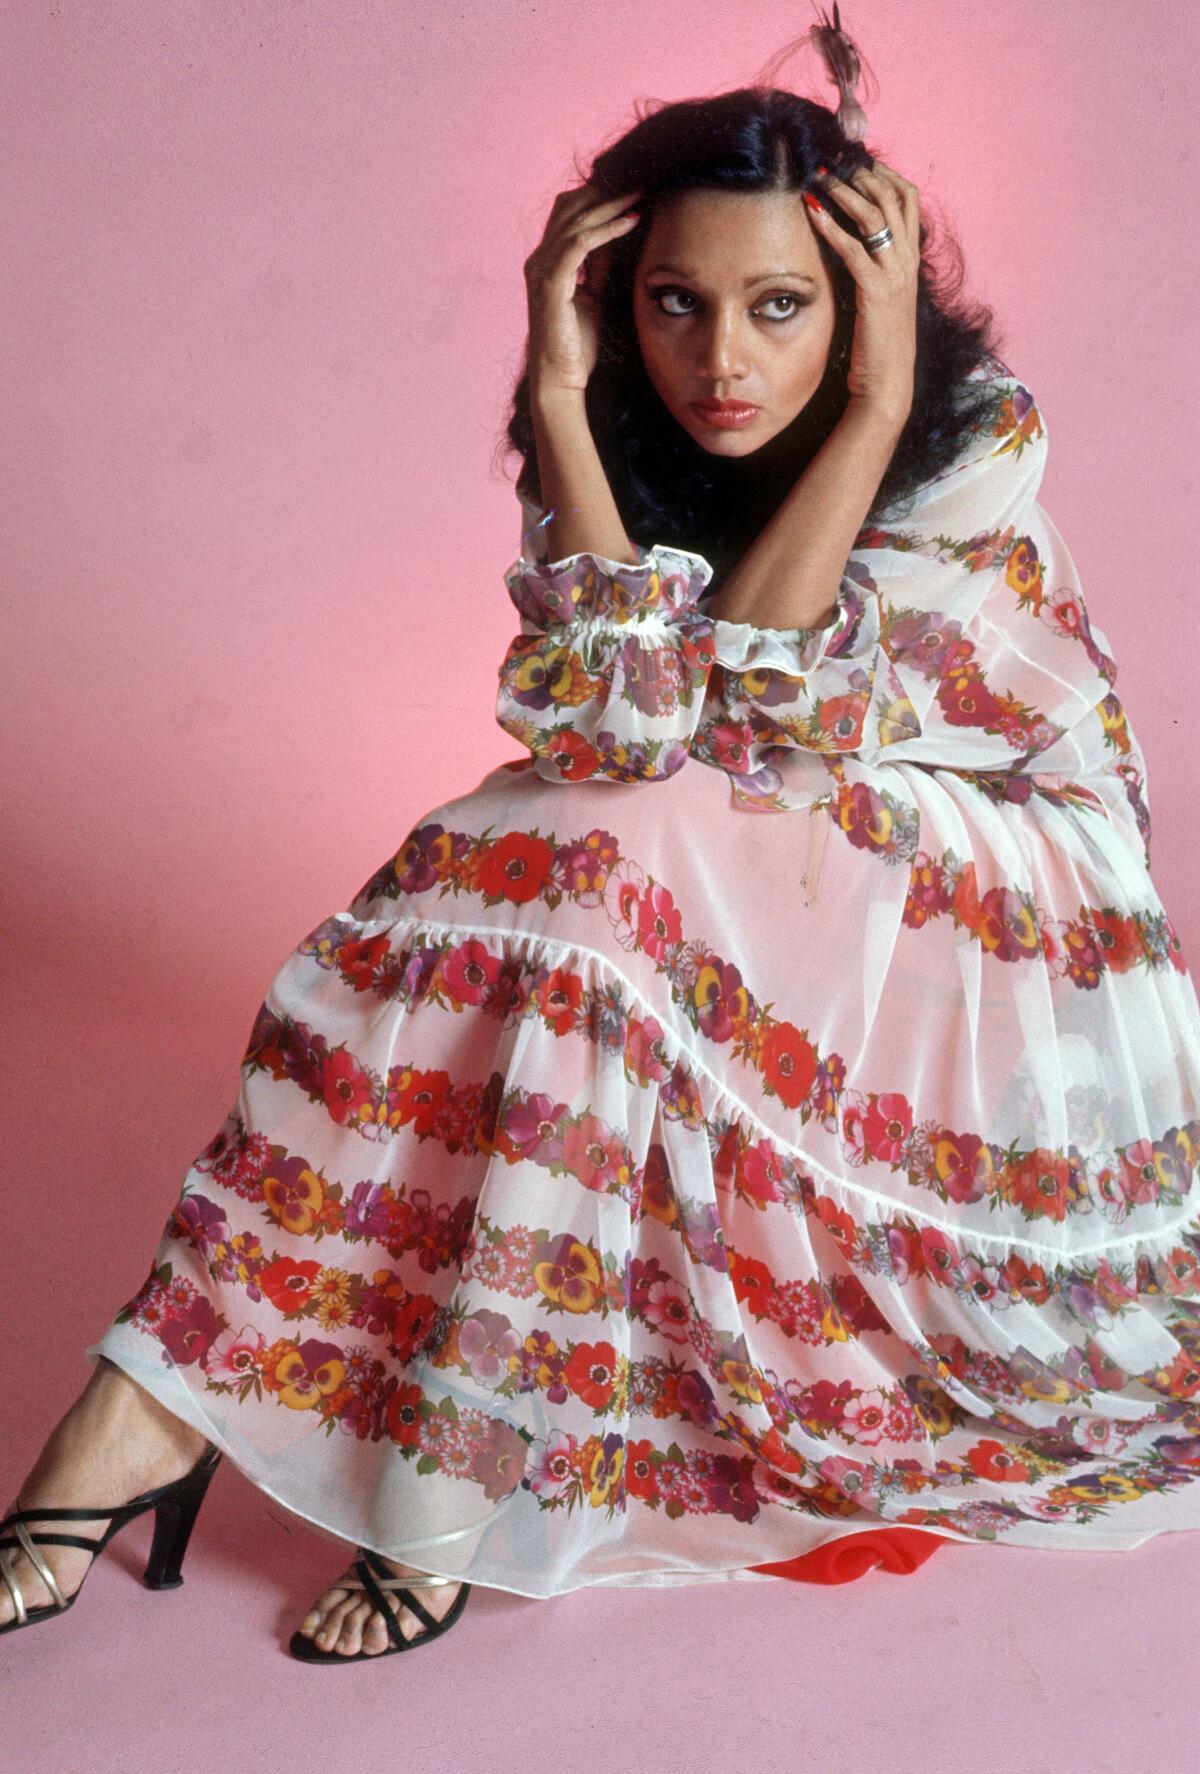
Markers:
{"x": 263, "y": 304}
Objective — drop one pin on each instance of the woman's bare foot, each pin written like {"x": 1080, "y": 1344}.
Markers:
{"x": 115, "y": 1442}
{"x": 347, "y": 1620}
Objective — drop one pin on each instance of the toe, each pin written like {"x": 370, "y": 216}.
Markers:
{"x": 375, "y": 1636}
{"x": 333, "y": 1607}
{"x": 350, "y": 1637}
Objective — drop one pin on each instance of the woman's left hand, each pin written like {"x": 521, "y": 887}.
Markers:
{"x": 884, "y": 349}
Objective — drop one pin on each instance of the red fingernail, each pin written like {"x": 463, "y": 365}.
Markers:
{"x": 822, "y": 169}
{"x": 812, "y": 202}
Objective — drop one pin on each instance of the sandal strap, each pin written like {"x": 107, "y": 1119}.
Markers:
{"x": 391, "y": 1619}
{"x": 40, "y": 1566}
{"x": 9, "y": 1540}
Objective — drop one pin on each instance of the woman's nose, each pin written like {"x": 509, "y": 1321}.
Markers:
{"x": 722, "y": 352}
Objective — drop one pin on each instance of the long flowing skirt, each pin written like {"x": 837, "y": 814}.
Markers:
{"x": 628, "y": 1188}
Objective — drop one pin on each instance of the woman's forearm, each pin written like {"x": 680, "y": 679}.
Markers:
{"x": 574, "y": 485}
{"x": 790, "y": 575}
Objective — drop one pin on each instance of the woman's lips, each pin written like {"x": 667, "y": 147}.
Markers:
{"x": 725, "y": 414}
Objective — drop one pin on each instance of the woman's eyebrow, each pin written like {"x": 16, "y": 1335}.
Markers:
{"x": 763, "y": 276}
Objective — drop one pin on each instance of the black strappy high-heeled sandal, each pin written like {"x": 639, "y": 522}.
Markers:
{"x": 374, "y": 1577}
{"x": 175, "y": 1507}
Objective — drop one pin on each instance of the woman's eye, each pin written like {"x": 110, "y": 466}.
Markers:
{"x": 664, "y": 294}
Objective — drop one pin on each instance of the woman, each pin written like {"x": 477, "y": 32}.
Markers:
{"x": 765, "y": 1114}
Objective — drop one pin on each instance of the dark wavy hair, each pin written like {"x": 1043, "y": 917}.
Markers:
{"x": 668, "y": 489}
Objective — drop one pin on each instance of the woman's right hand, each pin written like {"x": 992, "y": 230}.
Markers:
{"x": 564, "y": 313}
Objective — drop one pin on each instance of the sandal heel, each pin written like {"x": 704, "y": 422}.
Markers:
{"x": 174, "y": 1519}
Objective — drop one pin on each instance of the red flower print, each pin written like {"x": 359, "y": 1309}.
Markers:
{"x": 1139, "y": 1173}
{"x": 837, "y": 1220}
{"x": 941, "y": 1254}
{"x": 289, "y": 1285}
{"x": 572, "y": 756}
{"x": 515, "y": 867}
{"x": 842, "y": 719}
{"x": 995, "y": 1461}
{"x": 591, "y": 1373}
{"x": 1118, "y": 940}
{"x": 558, "y": 998}
{"x": 358, "y": 961}
{"x": 887, "y": 1126}
{"x": 1025, "y": 1281}
{"x": 412, "y": 1324}
{"x": 189, "y": 1334}
{"x": 419, "y": 1098}
{"x": 346, "y": 1087}
{"x": 403, "y": 1416}
{"x": 640, "y": 1471}
{"x": 789, "y": 1064}
{"x": 966, "y": 701}
{"x": 1039, "y": 1183}
{"x": 751, "y": 1280}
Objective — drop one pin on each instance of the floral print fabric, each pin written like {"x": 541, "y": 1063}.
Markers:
{"x": 627, "y": 1187}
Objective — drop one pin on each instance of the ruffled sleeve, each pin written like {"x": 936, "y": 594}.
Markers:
{"x": 607, "y": 677}
{"x": 931, "y": 655}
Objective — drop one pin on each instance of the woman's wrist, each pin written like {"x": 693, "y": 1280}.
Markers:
{"x": 574, "y": 486}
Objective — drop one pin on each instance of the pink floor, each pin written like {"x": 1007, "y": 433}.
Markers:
{"x": 984, "y": 1657}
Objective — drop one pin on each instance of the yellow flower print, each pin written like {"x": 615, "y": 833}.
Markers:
{"x": 1100, "y": 1487}
{"x": 932, "y": 1404}
{"x": 301, "y": 1390}
{"x": 1023, "y": 573}
{"x": 546, "y": 1370}
{"x": 331, "y": 1292}
{"x": 604, "y": 1474}
{"x": 294, "y": 1197}
{"x": 743, "y": 1380}
{"x": 898, "y": 720}
{"x": 575, "y": 1280}
{"x": 557, "y": 670}
{"x": 1048, "y": 1385}
{"x": 1112, "y": 719}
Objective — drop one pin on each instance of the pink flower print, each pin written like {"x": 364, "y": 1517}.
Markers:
{"x": 552, "y": 1469}
{"x": 666, "y": 1307}
{"x": 865, "y": 1420}
{"x": 499, "y": 1464}
{"x": 470, "y": 971}
{"x": 595, "y": 1155}
{"x": 235, "y": 1354}
{"x": 202, "y": 1221}
{"x": 346, "y": 1087}
{"x": 659, "y": 923}
{"x": 487, "y": 1341}
{"x": 533, "y": 1127}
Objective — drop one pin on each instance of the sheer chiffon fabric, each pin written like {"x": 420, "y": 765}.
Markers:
{"x": 762, "y": 1114}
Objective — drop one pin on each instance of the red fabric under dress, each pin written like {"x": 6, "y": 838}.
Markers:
{"x": 899, "y": 1550}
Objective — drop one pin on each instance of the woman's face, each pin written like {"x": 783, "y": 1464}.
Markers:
{"x": 732, "y": 301}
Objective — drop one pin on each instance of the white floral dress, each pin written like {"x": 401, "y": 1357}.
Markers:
{"x": 764, "y": 1110}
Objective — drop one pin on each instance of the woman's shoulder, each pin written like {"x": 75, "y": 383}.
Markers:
{"x": 1006, "y": 422}
{"x": 1003, "y": 404}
